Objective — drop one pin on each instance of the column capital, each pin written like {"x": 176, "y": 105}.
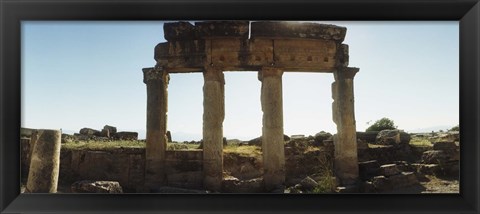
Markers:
{"x": 155, "y": 74}
{"x": 269, "y": 72}
{"x": 213, "y": 73}
{"x": 345, "y": 73}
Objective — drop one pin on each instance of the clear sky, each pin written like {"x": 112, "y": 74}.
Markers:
{"x": 89, "y": 74}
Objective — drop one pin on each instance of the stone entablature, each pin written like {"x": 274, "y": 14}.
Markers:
{"x": 306, "y": 47}
{"x": 270, "y": 48}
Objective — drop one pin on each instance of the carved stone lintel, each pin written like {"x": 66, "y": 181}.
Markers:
{"x": 155, "y": 74}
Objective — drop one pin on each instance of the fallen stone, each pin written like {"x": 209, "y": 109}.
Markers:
{"x": 445, "y": 146}
{"x": 434, "y": 157}
{"x": 89, "y": 186}
{"x": 381, "y": 183}
{"x": 429, "y": 169}
{"x": 347, "y": 189}
{"x": 361, "y": 145}
{"x": 368, "y": 169}
{"x": 126, "y": 136}
{"x": 389, "y": 170}
{"x": 368, "y": 137}
{"x": 111, "y": 129}
{"x": 320, "y": 137}
{"x": 392, "y": 137}
{"x": 308, "y": 184}
{"x": 66, "y": 138}
{"x": 405, "y": 179}
{"x": 89, "y": 131}
{"x": 234, "y": 185}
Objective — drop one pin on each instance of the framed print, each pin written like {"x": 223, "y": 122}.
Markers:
{"x": 276, "y": 106}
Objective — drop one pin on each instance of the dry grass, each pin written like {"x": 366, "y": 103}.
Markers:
{"x": 100, "y": 145}
{"x": 421, "y": 142}
{"x": 248, "y": 151}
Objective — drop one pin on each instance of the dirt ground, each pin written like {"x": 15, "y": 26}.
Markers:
{"x": 431, "y": 184}
{"x": 428, "y": 184}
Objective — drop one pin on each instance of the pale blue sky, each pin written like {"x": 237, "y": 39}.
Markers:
{"x": 89, "y": 74}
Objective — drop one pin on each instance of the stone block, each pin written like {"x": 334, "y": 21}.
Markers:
{"x": 234, "y": 185}
{"x": 297, "y": 30}
{"x": 381, "y": 183}
{"x": 238, "y": 29}
{"x": 88, "y": 186}
{"x": 308, "y": 183}
{"x": 445, "y": 145}
{"x": 389, "y": 170}
{"x": 126, "y": 136}
{"x": 179, "y": 31}
{"x": 368, "y": 169}
{"x": 89, "y": 131}
{"x": 434, "y": 157}
{"x": 405, "y": 179}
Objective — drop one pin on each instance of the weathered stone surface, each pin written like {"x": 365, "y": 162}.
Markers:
{"x": 272, "y": 132}
{"x": 179, "y": 31}
{"x": 368, "y": 169}
{"x": 126, "y": 136}
{"x": 89, "y": 131}
{"x": 392, "y": 137}
{"x": 361, "y": 145}
{"x": 347, "y": 189}
{"x": 381, "y": 183}
{"x": 111, "y": 129}
{"x": 444, "y": 145}
{"x": 234, "y": 185}
{"x": 210, "y": 29}
{"x": 308, "y": 183}
{"x": 26, "y": 132}
{"x": 156, "y": 140}
{"x": 88, "y": 186}
{"x": 321, "y": 136}
{"x": 45, "y": 162}
{"x": 434, "y": 157}
{"x": 346, "y": 158}
{"x": 213, "y": 116}
{"x": 405, "y": 179}
{"x": 368, "y": 137}
{"x": 389, "y": 170}
{"x": 297, "y": 30}
{"x": 169, "y": 136}
{"x": 25, "y": 156}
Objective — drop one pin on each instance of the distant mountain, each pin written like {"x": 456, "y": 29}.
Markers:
{"x": 430, "y": 129}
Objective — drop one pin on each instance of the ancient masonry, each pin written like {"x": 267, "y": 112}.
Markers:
{"x": 271, "y": 48}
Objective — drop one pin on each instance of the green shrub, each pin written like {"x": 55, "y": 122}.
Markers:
{"x": 455, "y": 128}
{"x": 382, "y": 124}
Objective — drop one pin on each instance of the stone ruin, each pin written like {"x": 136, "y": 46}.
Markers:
{"x": 271, "y": 48}
{"x": 108, "y": 133}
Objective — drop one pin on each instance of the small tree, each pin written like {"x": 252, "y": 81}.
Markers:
{"x": 382, "y": 124}
{"x": 455, "y": 128}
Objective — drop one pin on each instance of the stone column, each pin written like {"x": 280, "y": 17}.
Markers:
{"x": 45, "y": 162}
{"x": 156, "y": 80}
{"x": 346, "y": 161}
{"x": 213, "y": 115}
{"x": 272, "y": 131}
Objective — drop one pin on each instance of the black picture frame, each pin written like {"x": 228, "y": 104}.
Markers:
{"x": 12, "y": 12}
